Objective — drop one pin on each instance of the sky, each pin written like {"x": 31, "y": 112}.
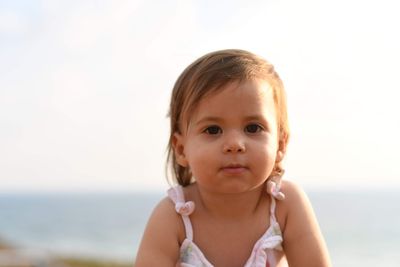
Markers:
{"x": 85, "y": 86}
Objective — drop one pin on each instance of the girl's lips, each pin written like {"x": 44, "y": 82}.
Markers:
{"x": 234, "y": 169}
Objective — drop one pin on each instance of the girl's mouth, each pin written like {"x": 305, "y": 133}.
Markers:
{"x": 234, "y": 169}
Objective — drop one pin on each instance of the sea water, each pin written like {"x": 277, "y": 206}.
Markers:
{"x": 361, "y": 228}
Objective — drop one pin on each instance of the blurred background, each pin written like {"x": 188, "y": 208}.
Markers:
{"x": 84, "y": 92}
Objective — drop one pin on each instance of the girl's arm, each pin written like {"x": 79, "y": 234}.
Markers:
{"x": 303, "y": 242}
{"x": 160, "y": 242}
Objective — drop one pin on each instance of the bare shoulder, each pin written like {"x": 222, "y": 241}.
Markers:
{"x": 165, "y": 210}
{"x": 291, "y": 189}
{"x": 303, "y": 242}
{"x": 294, "y": 196}
{"x": 162, "y": 236}
{"x": 296, "y": 206}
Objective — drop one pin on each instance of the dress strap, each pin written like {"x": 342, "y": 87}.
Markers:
{"x": 183, "y": 208}
{"x": 272, "y": 211}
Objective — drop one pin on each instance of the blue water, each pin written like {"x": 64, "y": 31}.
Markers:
{"x": 360, "y": 228}
{"x": 94, "y": 225}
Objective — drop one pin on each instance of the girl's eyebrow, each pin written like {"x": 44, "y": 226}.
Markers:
{"x": 208, "y": 119}
{"x": 255, "y": 117}
{"x": 259, "y": 118}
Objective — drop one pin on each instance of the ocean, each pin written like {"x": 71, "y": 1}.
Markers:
{"x": 361, "y": 228}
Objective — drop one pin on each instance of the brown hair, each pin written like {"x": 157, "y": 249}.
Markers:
{"x": 207, "y": 75}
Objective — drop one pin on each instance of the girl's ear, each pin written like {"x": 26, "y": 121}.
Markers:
{"x": 279, "y": 156}
{"x": 281, "y": 149}
{"x": 179, "y": 149}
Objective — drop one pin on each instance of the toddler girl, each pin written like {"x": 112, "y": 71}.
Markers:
{"x": 229, "y": 133}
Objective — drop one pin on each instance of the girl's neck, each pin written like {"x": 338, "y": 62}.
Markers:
{"x": 231, "y": 206}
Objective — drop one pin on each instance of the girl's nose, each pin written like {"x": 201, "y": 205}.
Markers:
{"x": 234, "y": 144}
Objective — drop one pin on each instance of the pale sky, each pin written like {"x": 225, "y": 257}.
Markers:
{"x": 85, "y": 85}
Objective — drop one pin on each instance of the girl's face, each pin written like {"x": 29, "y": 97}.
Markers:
{"x": 231, "y": 142}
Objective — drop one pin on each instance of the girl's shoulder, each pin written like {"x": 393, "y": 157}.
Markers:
{"x": 166, "y": 216}
{"x": 292, "y": 192}
{"x": 295, "y": 198}
{"x": 162, "y": 236}
{"x": 300, "y": 226}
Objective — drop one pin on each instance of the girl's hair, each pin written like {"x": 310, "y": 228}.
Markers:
{"x": 207, "y": 75}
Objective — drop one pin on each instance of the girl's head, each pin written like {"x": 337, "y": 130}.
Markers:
{"x": 208, "y": 75}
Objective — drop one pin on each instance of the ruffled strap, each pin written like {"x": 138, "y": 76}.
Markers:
{"x": 263, "y": 251}
{"x": 183, "y": 208}
{"x": 272, "y": 209}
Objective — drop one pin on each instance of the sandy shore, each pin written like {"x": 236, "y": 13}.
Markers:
{"x": 12, "y": 256}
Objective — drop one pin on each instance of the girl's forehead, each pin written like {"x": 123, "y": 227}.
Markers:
{"x": 235, "y": 98}
{"x": 244, "y": 92}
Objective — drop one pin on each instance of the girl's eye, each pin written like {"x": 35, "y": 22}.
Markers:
{"x": 253, "y": 128}
{"x": 213, "y": 130}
